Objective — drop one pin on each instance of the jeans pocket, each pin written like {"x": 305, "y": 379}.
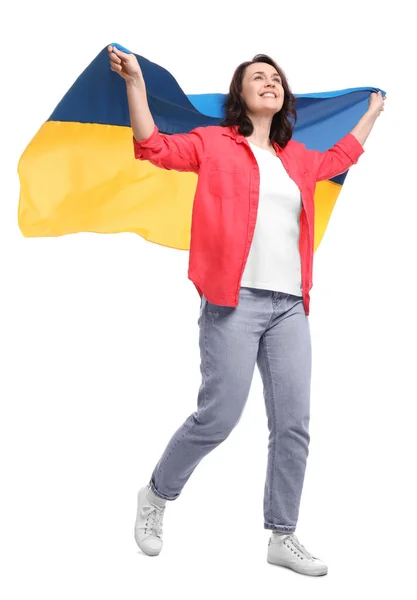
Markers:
{"x": 203, "y": 301}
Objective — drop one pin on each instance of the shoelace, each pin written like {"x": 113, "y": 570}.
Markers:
{"x": 296, "y": 543}
{"x": 155, "y": 515}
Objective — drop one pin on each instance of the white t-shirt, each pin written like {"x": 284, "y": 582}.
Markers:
{"x": 274, "y": 261}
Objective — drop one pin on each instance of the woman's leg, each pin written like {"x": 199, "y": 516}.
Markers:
{"x": 284, "y": 361}
{"x": 229, "y": 342}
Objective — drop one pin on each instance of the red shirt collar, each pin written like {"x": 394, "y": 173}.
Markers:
{"x": 233, "y": 132}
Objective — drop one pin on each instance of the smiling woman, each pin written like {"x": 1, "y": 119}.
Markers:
{"x": 261, "y": 102}
{"x": 240, "y": 194}
{"x": 251, "y": 258}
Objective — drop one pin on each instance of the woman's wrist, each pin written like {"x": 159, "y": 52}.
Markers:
{"x": 135, "y": 81}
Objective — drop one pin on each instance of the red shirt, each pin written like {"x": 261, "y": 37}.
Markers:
{"x": 227, "y": 195}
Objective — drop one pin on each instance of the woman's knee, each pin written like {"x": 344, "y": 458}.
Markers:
{"x": 217, "y": 427}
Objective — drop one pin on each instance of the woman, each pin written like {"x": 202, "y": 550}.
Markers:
{"x": 251, "y": 257}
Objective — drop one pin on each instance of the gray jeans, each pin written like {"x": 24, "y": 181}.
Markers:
{"x": 269, "y": 329}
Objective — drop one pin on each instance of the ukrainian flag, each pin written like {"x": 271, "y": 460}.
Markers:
{"x": 79, "y": 174}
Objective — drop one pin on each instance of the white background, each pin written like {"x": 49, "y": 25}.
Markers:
{"x": 99, "y": 335}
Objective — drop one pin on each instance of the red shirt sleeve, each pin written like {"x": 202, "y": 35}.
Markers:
{"x": 179, "y": 151}
{"x": 335, "y": 160}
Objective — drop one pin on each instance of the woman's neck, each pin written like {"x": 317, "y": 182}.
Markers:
{"x": 261, "y": 131}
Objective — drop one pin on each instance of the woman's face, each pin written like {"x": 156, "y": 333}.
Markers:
{"x": 262, "y": 89}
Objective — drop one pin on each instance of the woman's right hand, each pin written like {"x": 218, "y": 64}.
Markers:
{"x": 126, "y": 65}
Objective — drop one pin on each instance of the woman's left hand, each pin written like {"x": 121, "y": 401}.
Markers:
{"x": 376, "y": 103}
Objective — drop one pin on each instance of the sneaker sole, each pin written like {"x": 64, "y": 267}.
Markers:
{"x": 317, "y": 574}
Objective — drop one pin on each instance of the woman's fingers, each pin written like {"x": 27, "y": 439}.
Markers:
{"x": 113, "y": 56}
{"x": 119, "y": 53}
{"x": 123, "y": 63}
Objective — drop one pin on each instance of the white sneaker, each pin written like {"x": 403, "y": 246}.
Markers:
{"x": 286, "y": 551}
{"x": 148, "y": 525}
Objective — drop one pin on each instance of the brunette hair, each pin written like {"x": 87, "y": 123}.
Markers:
{"x": 283, "y": 122}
